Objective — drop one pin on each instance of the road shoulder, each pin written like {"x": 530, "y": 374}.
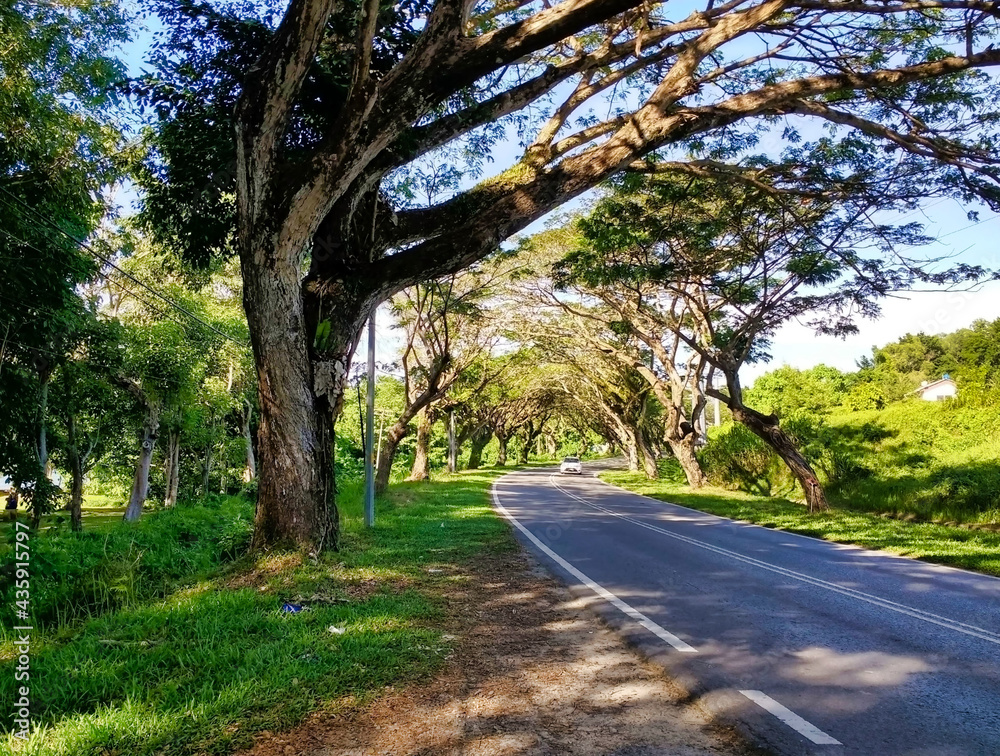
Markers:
{"x": 533, "y": 672}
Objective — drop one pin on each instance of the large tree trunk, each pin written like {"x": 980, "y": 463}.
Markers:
{"x": 530, "y": 437}
{"x": 502, "y": 452}
{"x": 140, "y": 482}
{"x": 479, "y": 441}
{"x": 646, "y": 454}
{"x": 421, "y": 459}
{"x": 767, "y": 429}
{"x": 295, "y": 504}
{"x": 683, "y": 451}
{"x": 551, "y": 445}
{"x": 387, "y": 452}
{"x": 631, "y": 450}
{"x": 171, "y": 473}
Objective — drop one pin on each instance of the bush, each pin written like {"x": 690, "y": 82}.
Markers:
{"x": 865, "y": 396}
{"x": 77, "y": 575}
{"x": 937, "y": 461}
{"x": 736, "y": 458}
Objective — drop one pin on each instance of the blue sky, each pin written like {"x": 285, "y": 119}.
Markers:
{"x": 930, "y": 312}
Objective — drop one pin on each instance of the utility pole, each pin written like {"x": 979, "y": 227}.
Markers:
{"x": 370, "y": 429}
{"x": 452, "y": 443}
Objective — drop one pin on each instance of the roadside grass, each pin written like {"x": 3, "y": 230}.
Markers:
{"x": 209, "y": 664}
{"x": 101, "y": 518}
{"x": 968, "y": 548}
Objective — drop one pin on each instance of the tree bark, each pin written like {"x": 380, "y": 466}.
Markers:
{"x": 140, "y": 482}
{"x": 525, "y": 451}
{"x": 767, "y": 429}
{"x": 479, "y": 441}
{"x": 250, "y": 470}
{"x": 683, "y": 451}
{"x": 531, "y": 435}
{"x": 645, "y": 453}
{"x": 40, "y": 496}
{"x": 295, "y": 505}
{"x": 76, "y": 496}
{"x": 452, "y": 444}
{"x": 171, "y": 473}
{"x": 551, "y": 446}
{"x": 502, "y": 453}
{"x": 421, "y": 459}
{"x": 387, "y": 452}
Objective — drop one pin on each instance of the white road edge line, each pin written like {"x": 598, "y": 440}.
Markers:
{"x": 790, "y": 718}
{"x": 934, "y": 619}
{"x": 600, "y": 590}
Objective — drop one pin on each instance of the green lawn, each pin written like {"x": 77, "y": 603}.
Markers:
{"x": 960, "y": 547}
{"x": 215, "y": 659}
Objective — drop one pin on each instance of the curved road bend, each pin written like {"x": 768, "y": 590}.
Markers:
{"x": 808, "y": 647}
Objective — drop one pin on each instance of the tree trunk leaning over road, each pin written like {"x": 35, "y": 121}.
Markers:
{"x": 767, "y": 428}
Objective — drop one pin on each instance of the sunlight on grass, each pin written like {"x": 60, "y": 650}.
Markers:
{"x": 204, "y": 667}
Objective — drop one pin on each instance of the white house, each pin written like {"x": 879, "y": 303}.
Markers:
{"x": 937, "y": 391}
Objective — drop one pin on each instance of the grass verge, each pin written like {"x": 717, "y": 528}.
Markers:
{"x": 970, "y": 549}
{"x": 207, "y": 666}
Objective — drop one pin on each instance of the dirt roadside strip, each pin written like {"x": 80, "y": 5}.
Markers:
{"x": 534, "y": 672}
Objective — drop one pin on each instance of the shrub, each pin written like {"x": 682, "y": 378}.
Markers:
{"x": 865, "y": 396}
{"x": 76, "y": 575}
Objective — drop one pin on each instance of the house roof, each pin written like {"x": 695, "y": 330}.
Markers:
{"x": 932, "y": 384}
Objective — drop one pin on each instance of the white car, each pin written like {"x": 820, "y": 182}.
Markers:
{"x": 571, "y": 465}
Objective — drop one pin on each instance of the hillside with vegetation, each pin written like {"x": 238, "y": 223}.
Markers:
{"x": 877, "y": 446}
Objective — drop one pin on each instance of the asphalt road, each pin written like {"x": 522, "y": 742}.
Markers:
{"x": 807, "y": 647}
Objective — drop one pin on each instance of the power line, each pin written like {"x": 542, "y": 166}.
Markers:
{"x": 83, "y": 245}
{"x": 107, "y": 278}
{"x": 966, "y": 228}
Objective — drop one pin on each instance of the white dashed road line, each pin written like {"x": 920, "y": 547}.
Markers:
{"x": 910, "y": 611}
{"x": 804, "y": 728}
{"x": 600, "y": 590}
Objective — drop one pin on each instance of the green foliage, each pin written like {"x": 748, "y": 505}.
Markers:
{"x": 787, "y": 389}
{"x": 58, "y": 153}
{"x": 737, "y": 458}
{"x": 865, "y": 396}
{"x": 935, "y": 461}
{"x": 207, "y": 667}
{"x": 960, "y": 547}
{"x": 80, "y": 575}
